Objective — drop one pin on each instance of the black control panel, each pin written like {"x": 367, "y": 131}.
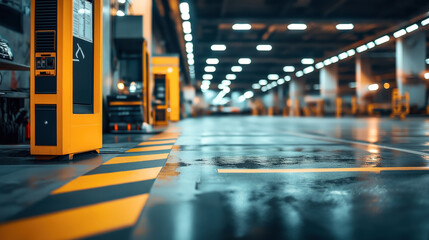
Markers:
{"x": 45, "y": 63}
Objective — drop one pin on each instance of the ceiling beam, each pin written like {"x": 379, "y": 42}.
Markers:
{"x": 270, "y": 21}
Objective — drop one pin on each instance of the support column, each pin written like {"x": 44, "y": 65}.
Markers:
{"x": 280, "y": 94}
{"x": 329, "y": 86}
{"x": 364, "y": 78}
{"x": 410, "y": 68}
{"x": 296, "y": 94}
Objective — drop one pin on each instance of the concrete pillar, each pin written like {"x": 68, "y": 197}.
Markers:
{"x": 364, "y": 78}
{"x": 410, "y": 67}
{"x": 329, "y": 86}
{"x": 296, "y": 93}
{"x": 280, "y": 94}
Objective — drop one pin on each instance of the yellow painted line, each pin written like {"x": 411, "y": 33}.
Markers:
{"x": 131, "y": 159}
{"x": 322, "y": 170}
{"x": 108, "y": 179}
{"x": 157, "y": 142}
{"x": 78, "y": 222}
{"x": 146, "y": 149}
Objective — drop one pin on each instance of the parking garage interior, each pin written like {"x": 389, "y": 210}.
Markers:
{"x": 201, "y": 119}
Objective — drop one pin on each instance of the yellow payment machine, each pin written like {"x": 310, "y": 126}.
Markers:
{"x": 66, "y": 77}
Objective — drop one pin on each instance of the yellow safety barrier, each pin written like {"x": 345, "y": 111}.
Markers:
{"x": 400, "y": 104}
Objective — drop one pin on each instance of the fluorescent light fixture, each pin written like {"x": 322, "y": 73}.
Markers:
{"x": 299, "y": 74}
{"x": 263, "y": 82}
{"x": 184, "y": 7}
{"x": 426, "y": 75}
{"x": 221, "y": 86}
{"x": 425, "y": 22}
{"x": 264, "y": 47}
{"x": 205, "y": 87}
{"x": 345, "y": 26}
{"x": 327, "y": 62}
{"x": 191, "y": 61}
{"x": 241, "y": 98}
{"x": 190, "y": 56}
{"x": 320, "y": 65}
{"x": 226, "y": 89}
{"x": 218, "y": 47}
{"x": 382, "y": 40}
{"x": 289, "y": 69}
{"x": 334, "y": 59}
{"x": 412, "y": 28}
{"x": 273, "y": 77}
{"x": 297, "y": 26}
{"x": 207, "y": 77}
{"x": 231, "y": 76}
{"x": 281, "y": 81}
{"x": 264, "y": 89}
{"x": 362, "y": 48}
{"x": 189, "y": 45}
{"x": 248, "y": 94}
{"x": 185, "y": 16}
{"x": 120, "y": 13}
{"x": 241, "y": 26}
{"x": 427, "y": 61}
{"x": 236, "y": 69}
{"x": 189, "y": 50}
{"x": 244, "y": 61}
{"x": 307, "y": 61}
{"x": 122, "y": 1}
{"x": 343, "y": 55}
{"x": 351, "y": 52}
{"x": 399, "y": 33}
{"x": 269, "y": 87}
{"x": 308, "y": 70}
{"x": 370, "y": 45}
{"x": 186, "y": 27}
{"x": 288, "y": 78}
{"x": 210, "y": 69}
{"x": 256, "y": 86}
{"x": 373, "y": 87}
{"x": 188, "y": 37}
{"x": 206, "y": 82}
{"x": 226, "y": 82}
{"x": 212, "y": 61}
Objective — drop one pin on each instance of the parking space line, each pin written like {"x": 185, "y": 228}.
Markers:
{"x": 324, "y": 170}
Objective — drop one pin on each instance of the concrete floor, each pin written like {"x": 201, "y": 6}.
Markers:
{"x": 365, "y": 178}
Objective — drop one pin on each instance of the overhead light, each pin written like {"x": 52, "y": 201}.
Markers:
{"x": 120, "y": 13}
{"x": 264, "y": 48}
{"x": 236, "y": 68}
{"x": 189, "y": 45}
{"x": 288, "y": 78}
{"x": 226, "y": 82}
{"x": 362, "y": 48}
{"x": 226, "y": 89}
{"x": 274, "y": 84}
{"x": 343, "y": 56}
{"x": 351, "y": 52}
{"x": 210, "y": 69}
{"x": 425, "y": 22}
{"x": 297, "y": 26}
{"x": 218, "y": 47}
{"x": 264, "y": 89}
{"x": 184, "y": 7}
{"x": 207, "y": 77}
{"x": 205, "y": 87}
{"x": 382, "y": 40}
{"x": 248, "y": 94}
{"x": 345, "y": 26}
{"x": 399, "y": 33}
{"x": 373, "y": 87}
{"x": 386, "y": 85}
{"x": 334, "y": 59}
{"x": 185, "y": 16}
{"x": 426, "y": 75}
{"x": 212, "y": 61}
{"x": 221, "y": 86}
{"x": 269, "y": 87}
{"x": 206, "y": 82}
{"x": 244, "y": 61}
{"x": 191, "y": 61}
{"x": 280, "y": 81}
{"x": 427, "y": 61}
{"x": 308, "y": 70}
{"x": 190, "y": 56}
{"x": 256, "y": 86}
{"x": 231, "y": 76}
{"x": 289, "y": 69}
{"x": 120, "y": 86}
{"x": 327, "y": 62}
{"x": 273, "y": 77}
{"x": 241, "y": 98}
{"x": 299, "y": 74}
{"x": 307, "y": 61}
{"x": 188, "y": 37}
{"x": 186, "y": 27}
{"x": 122, "y": 1}
{"x": 370, "y": 45}
{"x": 320, "y": 65}
{"x": 263, "y": 82}
{"x": 412, "y": 28}
{"x": 241, "y": 26}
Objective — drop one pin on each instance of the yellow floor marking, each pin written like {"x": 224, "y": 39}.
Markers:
{"x": 78, "y": 222}
{"x": 146, "y": 149}
{"x": 157, "y": 142}
{"x": 108, "y": 179}
{"x": 320, "y": 170}
{"x": 131, "y": 159}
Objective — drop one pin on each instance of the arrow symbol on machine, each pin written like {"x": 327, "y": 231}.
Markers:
{"x": 79, "y": 49}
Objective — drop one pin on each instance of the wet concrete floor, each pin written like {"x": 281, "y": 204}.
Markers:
{"x": 192, "y": 199}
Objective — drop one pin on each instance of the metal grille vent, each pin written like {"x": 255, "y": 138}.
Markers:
{"x": 45, "y": 41}
{"x": 46, "y": 15}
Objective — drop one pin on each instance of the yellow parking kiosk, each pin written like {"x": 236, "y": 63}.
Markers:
{"x": 66, "y": 77}
{"x": 166, "y": 91}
